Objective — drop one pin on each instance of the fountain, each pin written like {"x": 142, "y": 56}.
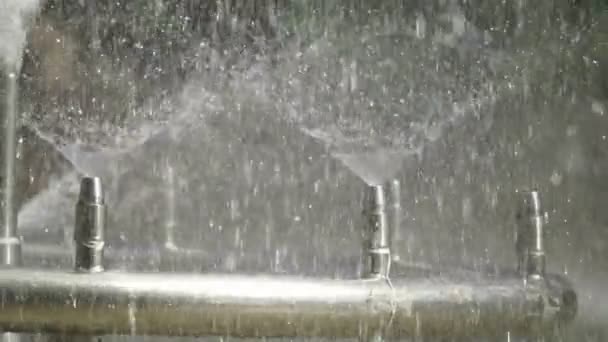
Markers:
{"x": 375, "y": 131}
{"x": 97, "y": 302}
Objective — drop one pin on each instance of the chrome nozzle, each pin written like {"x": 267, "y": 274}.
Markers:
{"x": 91, "y": 190}
{"x": 90, "y": 226}
{"x": 376, "y": 232}
{"x": 530, "y": 236}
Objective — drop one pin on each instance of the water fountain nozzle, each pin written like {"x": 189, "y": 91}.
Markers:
{"x": 377, "y": 232}
{"x": 530, "y": 236}
{"x": 90, "y": 225}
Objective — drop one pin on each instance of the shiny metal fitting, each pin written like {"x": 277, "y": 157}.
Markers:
{"x": 530, "y": 236}
{"x": 376, "y": 232}
{"x": 90, "y": 226}
{"x": 436, "y": 307}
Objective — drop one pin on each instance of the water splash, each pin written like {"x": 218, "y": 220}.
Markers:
{"x": 375, "y": 84}
{"x": 50, "y": 210}
{"x": 13, "y": 28}
{"x": 111, "y": 145}
{"x": 375, "y": 94}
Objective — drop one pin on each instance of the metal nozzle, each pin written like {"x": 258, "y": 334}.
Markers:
{"x": 530, "y": 236}
{"x": 90, "y": 226}
{"x": 377, "y": 231}
{"x": 91, "y": 190}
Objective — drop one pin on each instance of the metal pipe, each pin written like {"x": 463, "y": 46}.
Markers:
{"x": 47, "y": 301}
{"x": 90, "y": 226}
{"x": 9, "y": 241}
{"x": 530, "y": 237}
{"x": 377, "y": 232}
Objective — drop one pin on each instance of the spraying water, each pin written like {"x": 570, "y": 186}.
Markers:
{"x": 381, "y": 88}
{"x": 364, "y": 107}
{"x": 14, "y": 16}
{"x": 12, "y": 33}
{"x": 370, "y": 96}
{"x": 374, "y": 90}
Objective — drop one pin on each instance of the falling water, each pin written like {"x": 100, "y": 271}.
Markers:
{"x": 462, "y": 103}
{"x": 14, "y": 15}
{"x": 322, "y": 88}
{"x": 369, "y": 97}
